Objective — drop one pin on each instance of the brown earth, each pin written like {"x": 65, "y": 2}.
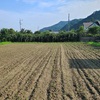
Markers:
{"x": 49, "y": 71}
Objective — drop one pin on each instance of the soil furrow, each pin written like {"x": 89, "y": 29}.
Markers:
{"x": 49, "y": 71}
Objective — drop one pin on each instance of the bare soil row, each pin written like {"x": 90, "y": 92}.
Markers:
{"x": 49, "y": 71}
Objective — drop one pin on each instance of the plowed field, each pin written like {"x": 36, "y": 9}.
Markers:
{"x": 49, "y": 71}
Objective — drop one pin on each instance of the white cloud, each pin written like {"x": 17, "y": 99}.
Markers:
{"x": 30, "y": 21}
{"x": 29, "y": 1}
{"x": 80, "y": 9}
{"x": 45, "y": 3}
{"x": 34, "y": 18}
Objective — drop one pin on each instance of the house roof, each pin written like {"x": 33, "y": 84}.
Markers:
{"x": 87, "y": 24}
{"x": 97, "y": 22}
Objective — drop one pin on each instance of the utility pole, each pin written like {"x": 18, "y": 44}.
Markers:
{"x": 20, "y": 24}
{"x": 68, "y": 22}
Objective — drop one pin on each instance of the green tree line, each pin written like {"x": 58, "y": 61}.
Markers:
{"x": 47, "y": 36}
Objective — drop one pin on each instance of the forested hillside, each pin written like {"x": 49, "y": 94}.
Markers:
{"x": 70, "y": 24}
{"x": 55, "y": 27}
{"x": 94, "y": 16}
{"x": 73, "y": 24}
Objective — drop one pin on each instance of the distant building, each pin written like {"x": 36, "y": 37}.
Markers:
{"x": 54, "y": 32}
{"x": 88, "y": 25}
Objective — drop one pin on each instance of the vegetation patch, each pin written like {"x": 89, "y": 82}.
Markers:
{"x": 94, "y": 43}
{"x": 3, "y": 43}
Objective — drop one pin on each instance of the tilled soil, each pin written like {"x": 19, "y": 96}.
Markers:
{"x": 49, "y": 71}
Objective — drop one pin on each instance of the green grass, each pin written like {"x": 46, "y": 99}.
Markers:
{"x": 94, "y": 43}
{"x": 3, "y": 43}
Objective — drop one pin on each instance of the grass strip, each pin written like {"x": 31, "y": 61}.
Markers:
{"x": 94, "y": 43}
{"x": 4, "y": 43}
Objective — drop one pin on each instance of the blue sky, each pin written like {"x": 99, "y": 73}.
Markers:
{"x": 37, "y": 14}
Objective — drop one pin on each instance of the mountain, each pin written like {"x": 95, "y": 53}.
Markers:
{"x": 93, "y": 17}
{"x": 71, "y": 23}
{"x": 74, "y": 24}
{"x": 55, "y": 27}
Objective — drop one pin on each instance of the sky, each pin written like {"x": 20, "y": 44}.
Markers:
{"x": 37, "y": 14}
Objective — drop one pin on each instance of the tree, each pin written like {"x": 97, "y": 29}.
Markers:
{"x": 94, "y": 30}
{"x": 81, "y": 30}
{"x": 4, "y": 34}
{"x": 28, "y": 32}
{"x": 37, "y": 32}
{"x": 27, "y": 36}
